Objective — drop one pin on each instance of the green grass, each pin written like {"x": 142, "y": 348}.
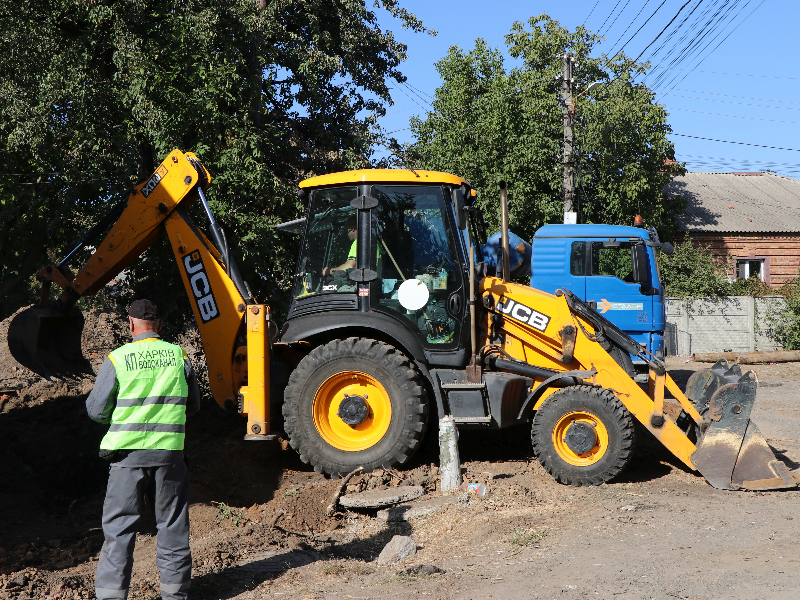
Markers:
{"x": 528, "y": 537}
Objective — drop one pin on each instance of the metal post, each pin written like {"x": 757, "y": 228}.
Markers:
{"x": 570, "y": 209}
{"x": 504, "y": 232}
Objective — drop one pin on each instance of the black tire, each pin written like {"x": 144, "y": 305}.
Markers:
{"x": 584, "y": 403}
{"x": 623, "y": 359}
{"x": 404, "y": 392}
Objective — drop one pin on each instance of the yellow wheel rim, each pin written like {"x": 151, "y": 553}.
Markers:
{"x": 569, "y": 455}
{"x": 330, "y": 425}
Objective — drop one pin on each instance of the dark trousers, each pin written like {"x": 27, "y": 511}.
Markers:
{"x": 122, "y": 512}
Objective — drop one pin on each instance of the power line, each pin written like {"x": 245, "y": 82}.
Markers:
{"x": 725, "y": 95}
{"x": 590, "y": 13}
{"x": 675, "y": 31}
{"x": 711, "y": 18}
{"x": 684, "y": 45}
{"x": 618, "y": 16}
{"x": 662, "y": 31}
{"x": 697, "y": 137}
{"x": 722, "y": 160}
{"x": 412, "y": 99}
{"x": 643, "y": 24}
{"x": 732, "y": 102}
{"x": 418, "y": 95}
{"x": 608, "y": 17}
{"x": 726, "y": 73}
{"x": 419, "y": 91}
{"x": 700, "y": 112}
{"x": 722, "y": 41}
{"x": 696, "y": 46}
{"x": 612, "y": 53}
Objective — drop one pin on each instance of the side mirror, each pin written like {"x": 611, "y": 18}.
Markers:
{"x": 667, "y": 248}
{"x": 639, "y": 264}
{"x": 457, "y": 196}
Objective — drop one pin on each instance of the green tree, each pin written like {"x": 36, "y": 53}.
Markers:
{"x": 94, "y": 93}
{"x": 692, "y": 271}
{"x": 490, "y": 124}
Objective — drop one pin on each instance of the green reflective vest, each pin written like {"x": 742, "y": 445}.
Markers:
{"x": 150, "y": 413}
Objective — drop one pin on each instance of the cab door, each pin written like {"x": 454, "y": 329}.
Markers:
{"x": 610, "y": 284}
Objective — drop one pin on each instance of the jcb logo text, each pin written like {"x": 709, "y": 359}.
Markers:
{"x": 522, "y": 313}
{"x": 201, "y": 288}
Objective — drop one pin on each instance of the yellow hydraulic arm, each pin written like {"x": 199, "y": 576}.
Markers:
{"x": 220, "y": 308}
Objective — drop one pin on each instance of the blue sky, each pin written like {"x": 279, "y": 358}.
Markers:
{"x": 746, "y": 89}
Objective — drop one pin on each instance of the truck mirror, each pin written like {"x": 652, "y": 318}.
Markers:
{"x": 667, "y": 248}
{"x": 612, "y": 243}
{"x": 457, "y": 196}
{"x": 639, "y": 263}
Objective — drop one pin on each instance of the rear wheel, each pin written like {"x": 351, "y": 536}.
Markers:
{"x": 583, "y": 435}
{"x": 355, "y": 402}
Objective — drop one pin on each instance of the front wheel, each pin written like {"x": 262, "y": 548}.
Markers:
{"x": 583, "y": 435}
{"x": 355, "y": 402}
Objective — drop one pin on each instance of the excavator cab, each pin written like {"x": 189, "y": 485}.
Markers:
{"x": 389, "y": 248}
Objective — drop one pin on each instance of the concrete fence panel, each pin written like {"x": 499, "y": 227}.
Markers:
{"x": 727, "y": 324}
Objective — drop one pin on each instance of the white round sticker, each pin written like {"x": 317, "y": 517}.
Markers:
{"x": 413, "y": 294}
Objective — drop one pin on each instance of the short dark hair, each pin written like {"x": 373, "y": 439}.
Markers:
{"x": 144, "y": 310}
{"x": 351, "y": 222}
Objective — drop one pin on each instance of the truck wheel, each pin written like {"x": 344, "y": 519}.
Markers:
{"x": 352, "y": 403}
{"x": 623, "y": 359}
{"x": 583, "y": 435}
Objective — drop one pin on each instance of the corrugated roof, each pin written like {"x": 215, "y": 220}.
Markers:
{"x": 738, "y": 202}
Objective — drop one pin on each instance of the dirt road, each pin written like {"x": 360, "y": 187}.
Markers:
{"x": 259, "y": 528}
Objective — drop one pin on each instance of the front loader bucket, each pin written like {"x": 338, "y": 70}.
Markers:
{"x": 48, "y": 342}
{"x": 732, "y": 454}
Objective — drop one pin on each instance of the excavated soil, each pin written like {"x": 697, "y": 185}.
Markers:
{"x": 259, "y": 526}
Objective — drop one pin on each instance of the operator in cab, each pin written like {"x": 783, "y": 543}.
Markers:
{"x": 351, "y": 227}
{"x": 144, "y": 390}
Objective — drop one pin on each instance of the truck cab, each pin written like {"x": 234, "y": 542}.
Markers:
{"x": 613, "y": 268}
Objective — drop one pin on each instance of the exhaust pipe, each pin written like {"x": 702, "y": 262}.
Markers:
{"x": 504, "y": 232}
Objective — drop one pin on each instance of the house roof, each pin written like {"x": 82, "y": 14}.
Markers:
{"x": 738, "y": 202}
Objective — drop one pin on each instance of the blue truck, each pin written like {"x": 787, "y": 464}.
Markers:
{"x": 611, "y": 267}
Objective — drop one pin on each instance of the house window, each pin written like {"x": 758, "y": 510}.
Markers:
{"x": 747, "y": 268}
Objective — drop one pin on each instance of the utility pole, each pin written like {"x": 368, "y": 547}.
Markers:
{"x": 570, "y": 208}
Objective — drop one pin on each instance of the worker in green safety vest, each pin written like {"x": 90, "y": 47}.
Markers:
{"x": 144, "y": 390}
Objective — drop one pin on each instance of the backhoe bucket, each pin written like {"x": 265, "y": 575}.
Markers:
{"x": 48, "y": 342}
{"x": 732, "y": 454}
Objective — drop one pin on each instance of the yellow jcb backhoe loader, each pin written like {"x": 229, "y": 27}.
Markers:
{"x": 393, "y": 322}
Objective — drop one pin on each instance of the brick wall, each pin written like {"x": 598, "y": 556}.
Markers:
{"x": 781, "y": 253}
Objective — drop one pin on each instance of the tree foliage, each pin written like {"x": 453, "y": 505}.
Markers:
{"x": 693, "y": 271}
{"x": 94, "y": 93}
{"x": 490, "y": 124}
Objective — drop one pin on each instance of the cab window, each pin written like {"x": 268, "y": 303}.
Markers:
{"x": 329, "y": 243}
{"x": 613, "y": 262}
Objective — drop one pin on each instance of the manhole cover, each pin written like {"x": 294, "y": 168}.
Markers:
{"x": 277, "y": 562}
